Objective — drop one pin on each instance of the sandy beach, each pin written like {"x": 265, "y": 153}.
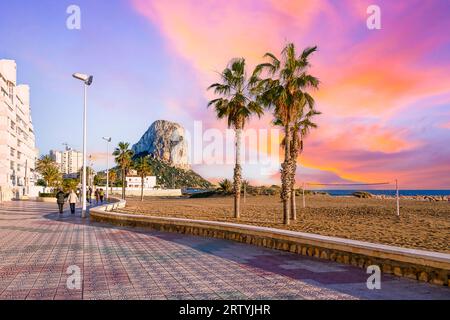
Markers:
{"x": 421, "y": 225}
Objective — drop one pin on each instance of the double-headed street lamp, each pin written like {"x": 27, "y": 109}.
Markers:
{"x": 108, "y": 140}
{"x": 87, "y": 79}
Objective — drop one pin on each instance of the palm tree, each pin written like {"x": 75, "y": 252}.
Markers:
{"x": 70, "y": 184}
{"x": 284, "y": 90}
{"x": 300, "y": 130}
{"x": 143, "y": 168}
{"x": 226, "y": 186}
{"x": 112, "y": 178}
{"x": 49, "y": 170}
{"x": 237, "y": 105}
{"x": 124, "y": 160}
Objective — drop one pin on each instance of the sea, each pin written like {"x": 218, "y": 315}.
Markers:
{"x": 390, "y": 192}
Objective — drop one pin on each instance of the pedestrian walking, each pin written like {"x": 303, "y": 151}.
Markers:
{"x": 73, "y": 199}
{"x": 102, "y": 195}
{"x": 97, "y": 196}
{"x": 60, "y": 199}
{"x": 89, "y": 194}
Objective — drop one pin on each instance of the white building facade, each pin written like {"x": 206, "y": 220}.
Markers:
{"x": 18, "y": 152}
{"x": 69, "y": 161}
{"x": 136, "y": 182}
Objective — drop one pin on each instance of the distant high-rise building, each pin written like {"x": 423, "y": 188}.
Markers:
{"x": 69, "y": 161}
{"x": 18, "y": 151}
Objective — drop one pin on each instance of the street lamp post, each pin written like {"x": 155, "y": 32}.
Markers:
{"x": 87, "y": 79}
{"x": 108, "y": 140}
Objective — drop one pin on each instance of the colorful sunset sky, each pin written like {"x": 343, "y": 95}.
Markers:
{"x": 384, "y": 94}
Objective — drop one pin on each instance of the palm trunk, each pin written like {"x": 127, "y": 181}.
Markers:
{"x": 293, "y": 164}
{"x": 237, "y": 175}
{"x": 285, "y": 176}
{"x": 142, "y": 188}
{"x": 293, "y": 205}
{"x": 123, "y": 184}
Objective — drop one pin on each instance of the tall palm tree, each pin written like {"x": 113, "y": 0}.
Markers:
{"x": 300, "y": 130}
{"x": 237, "y": 104}
{"x": 123, "y": 157}
{"x": 284, "y": 90}
{"x": 143, "y": 168}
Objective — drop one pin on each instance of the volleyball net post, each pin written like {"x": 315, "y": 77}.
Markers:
{"x": 397, "y": 198}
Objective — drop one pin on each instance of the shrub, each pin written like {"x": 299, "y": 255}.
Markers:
{"x": 47, "y": 194}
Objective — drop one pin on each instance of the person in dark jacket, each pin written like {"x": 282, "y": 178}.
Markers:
{"x": 97, "y": 196}
{"x": 89, "y": 195}
{"x": 60, "y": 199}
{"x": 102, "y": 195}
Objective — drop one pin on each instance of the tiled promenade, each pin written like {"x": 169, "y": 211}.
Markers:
{"x": 37, "y": 246}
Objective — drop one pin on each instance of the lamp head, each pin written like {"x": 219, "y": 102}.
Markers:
{"x": 108, "y": 139}
{"x": 87, "y": 79}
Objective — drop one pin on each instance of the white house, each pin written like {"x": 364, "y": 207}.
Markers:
{"x": 135, "y": 182}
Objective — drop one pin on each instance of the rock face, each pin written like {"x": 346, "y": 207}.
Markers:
{"x": 166, "y": 141}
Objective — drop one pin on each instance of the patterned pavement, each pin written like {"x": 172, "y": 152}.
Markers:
{"x": 37, "y": 246}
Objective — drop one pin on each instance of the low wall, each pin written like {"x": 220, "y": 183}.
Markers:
{"x": 421, "y": 265}
{"x": 149, "y": 192}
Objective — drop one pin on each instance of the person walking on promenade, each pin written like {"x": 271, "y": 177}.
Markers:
{"x": 97, "y": 196}
{"x": 73, "y": 199}
{"x": 89, "y": 194}
{"x": 102, "y": 195}
{"x": 60, "y": 199}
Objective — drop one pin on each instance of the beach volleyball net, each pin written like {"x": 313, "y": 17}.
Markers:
{"x": 340, "y": 186}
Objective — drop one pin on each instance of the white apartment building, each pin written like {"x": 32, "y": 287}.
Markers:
{"x": 18, "y": 152}
{"x": 135, "y": 182}
{"x": 69, "y": 161}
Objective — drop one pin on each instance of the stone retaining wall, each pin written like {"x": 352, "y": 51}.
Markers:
{"x": 421, "y": 265}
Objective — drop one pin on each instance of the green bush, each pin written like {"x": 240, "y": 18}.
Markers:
{"x": 47, "y": 194}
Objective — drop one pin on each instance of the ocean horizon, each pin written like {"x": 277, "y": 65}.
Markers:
{"x": 390, "y": 192}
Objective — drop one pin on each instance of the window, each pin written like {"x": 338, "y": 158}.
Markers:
{"x": 10, "y": 89}
{"x": 12, "y": 152}
{"x": 19, "y": 155}
{"x": 11, "y": 165}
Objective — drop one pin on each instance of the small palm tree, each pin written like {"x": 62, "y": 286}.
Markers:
{"x": 124, "y": 160}
{"x": 285, "y": 92}
{"x": 70, "y": 184}
{"x": 49, "y": 170}
{"x": 143, "y": 168}
{"x": 226, "y": 186}
{"x": 245, "y": 185}
{"x": 237, "y": 105}
{"x": 112, "y": 178}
